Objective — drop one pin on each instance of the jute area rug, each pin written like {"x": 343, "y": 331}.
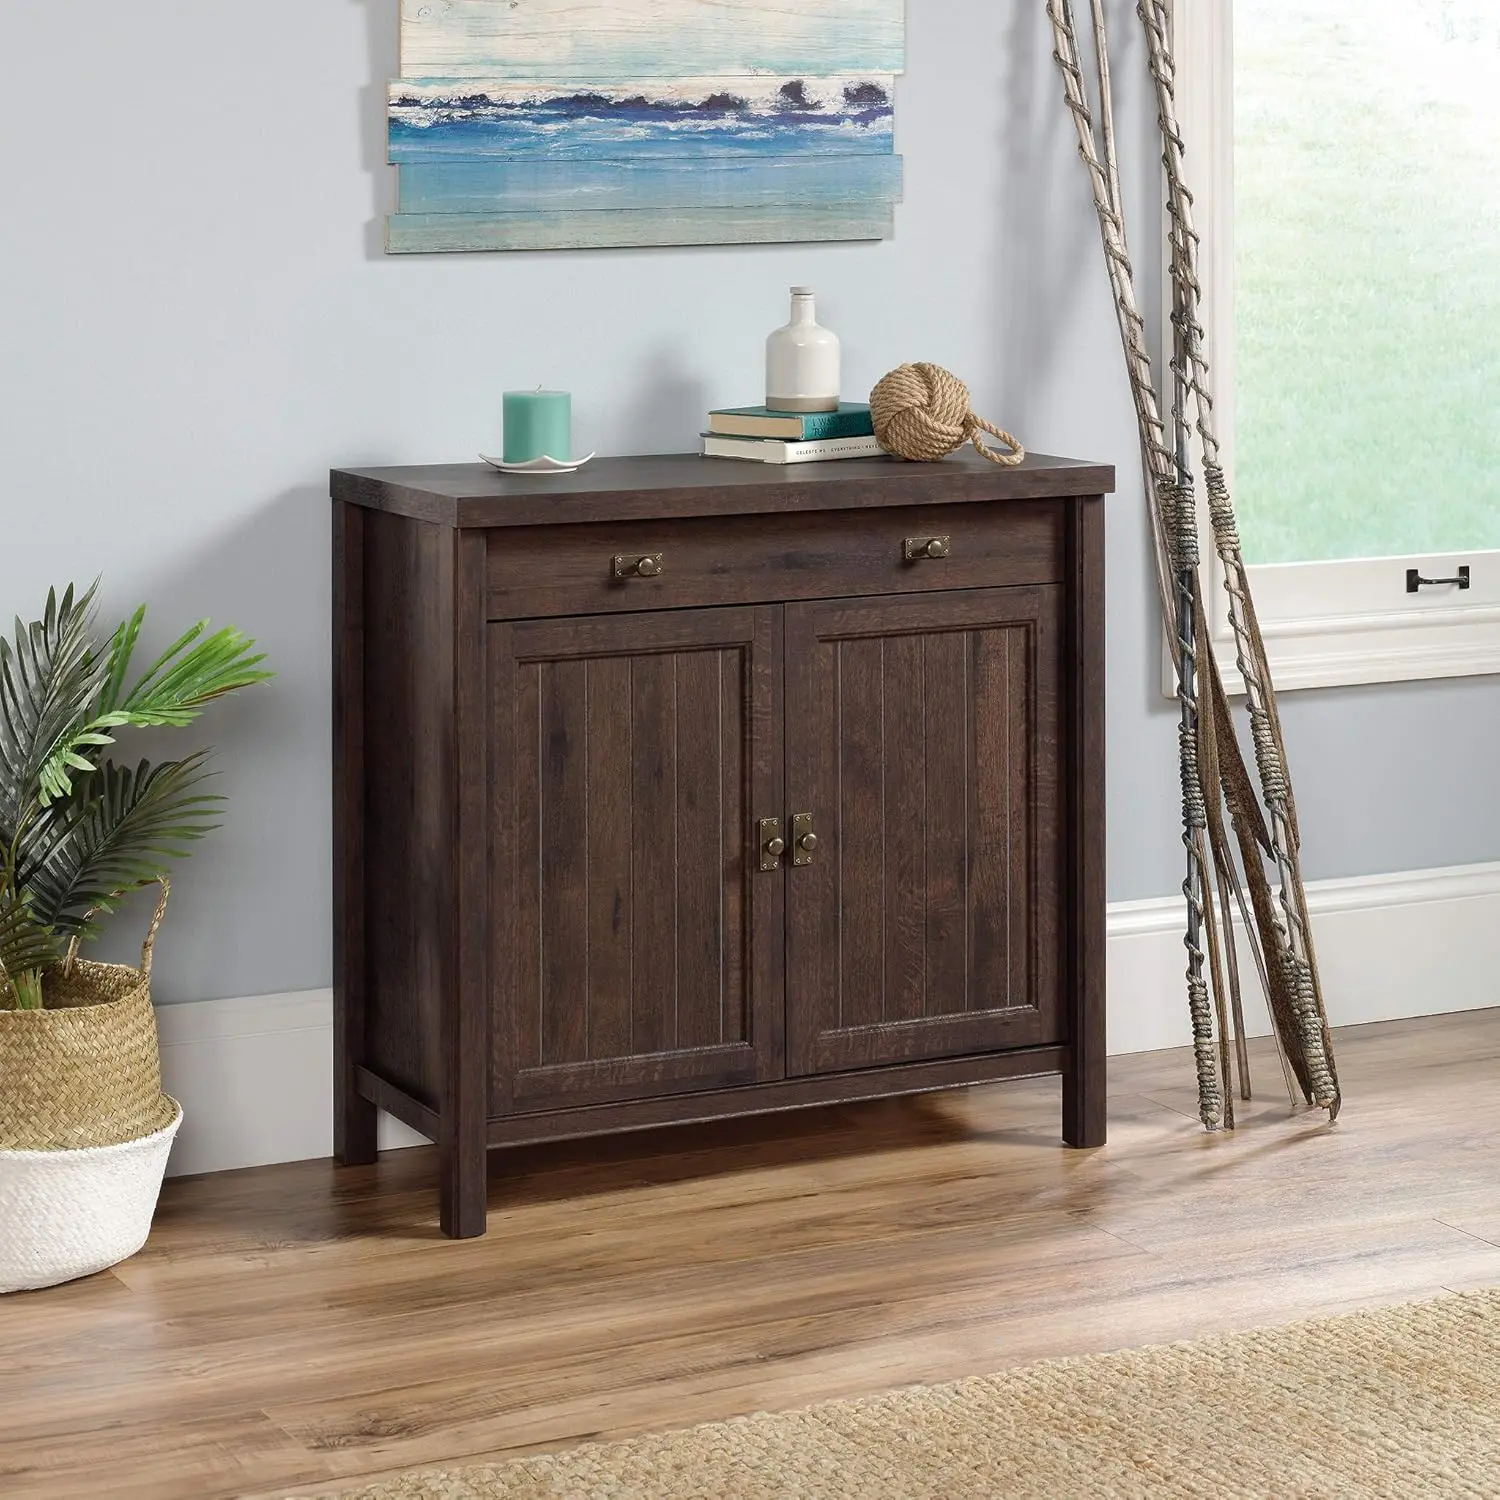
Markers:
{"x": 1403, "y": 1403}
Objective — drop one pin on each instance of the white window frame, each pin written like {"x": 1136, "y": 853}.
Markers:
{"x": 1325, "y": 623}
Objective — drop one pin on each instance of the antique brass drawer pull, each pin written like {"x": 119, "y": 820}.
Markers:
{"x": 915, "y": 548}
{"x": 649, "y": 565}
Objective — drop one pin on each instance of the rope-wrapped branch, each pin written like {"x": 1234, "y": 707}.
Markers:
{"x": 1213, "y": 770}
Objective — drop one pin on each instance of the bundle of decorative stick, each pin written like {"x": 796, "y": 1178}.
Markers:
{"x": 1214, "y": 773}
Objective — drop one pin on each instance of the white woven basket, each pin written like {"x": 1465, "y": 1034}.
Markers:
{"x": 65, "y": 1214}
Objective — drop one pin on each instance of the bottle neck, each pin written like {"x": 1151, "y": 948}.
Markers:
{"x": 802, "y": 308}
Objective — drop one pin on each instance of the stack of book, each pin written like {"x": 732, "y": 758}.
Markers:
{"x": 789, "y": 437}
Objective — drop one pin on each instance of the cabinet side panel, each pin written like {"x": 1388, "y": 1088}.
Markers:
{"x": 408, "y": 748}
{"x": 1084, "y": 1113}
{"x": 354, "y": 1118}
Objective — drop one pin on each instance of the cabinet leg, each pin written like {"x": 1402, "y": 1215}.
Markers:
{"x": 1083, "y": 1106}
{"x": 463, "y": 1189}
{"x": 1084, "y": 1084}
{"x": 353, "y": 1124}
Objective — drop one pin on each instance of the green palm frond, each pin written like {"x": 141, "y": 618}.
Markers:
{"x": 50, "y": 678}
{"x": 77, "y": 832}
{"x": 122, "y": 831}
{"x": 194, "y": 670}
{"x": 26, "y": 946}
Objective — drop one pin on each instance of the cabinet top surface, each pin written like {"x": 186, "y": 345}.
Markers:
{"x": 685, "y": 484}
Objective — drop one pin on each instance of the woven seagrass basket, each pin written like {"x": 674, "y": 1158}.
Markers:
{"x": 86, "y": 1070}
{"x": 85, "y": 1129}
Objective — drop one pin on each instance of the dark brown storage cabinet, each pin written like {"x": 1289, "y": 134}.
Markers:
{"x": 678, "y": 788}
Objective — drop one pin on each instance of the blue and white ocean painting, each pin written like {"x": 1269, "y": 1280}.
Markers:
{"x": 512, "y": 147}
{"x": 681, "y": 118}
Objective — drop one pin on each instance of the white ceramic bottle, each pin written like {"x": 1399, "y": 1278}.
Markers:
{"x": 802, "y": 361}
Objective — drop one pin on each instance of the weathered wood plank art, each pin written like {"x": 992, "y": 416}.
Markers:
{"x": 549, "y": 124}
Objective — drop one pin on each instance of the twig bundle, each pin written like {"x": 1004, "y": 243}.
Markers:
{"x": 1214, "y": 774}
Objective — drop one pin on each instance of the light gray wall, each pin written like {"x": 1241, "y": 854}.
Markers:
{"x": 196, "y": 323}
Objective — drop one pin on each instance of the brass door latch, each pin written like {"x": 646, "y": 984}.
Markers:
{"x": 772, "y": 845}
{"x": 804, "y": 840}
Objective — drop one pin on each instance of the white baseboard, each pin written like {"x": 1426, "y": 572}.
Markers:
{"x": 255, "y": 1075}
{"x": 1420, "y": 943}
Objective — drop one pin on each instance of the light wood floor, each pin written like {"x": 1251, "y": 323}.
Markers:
{"x": 291, "y": 1328}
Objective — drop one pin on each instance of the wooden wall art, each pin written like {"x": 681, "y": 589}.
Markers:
{"x": 554, "y": 124}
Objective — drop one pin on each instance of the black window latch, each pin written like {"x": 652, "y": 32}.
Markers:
{"x": 1415, "y": 581}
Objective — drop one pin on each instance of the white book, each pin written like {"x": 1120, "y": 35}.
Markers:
{"x": 777, "y": 451}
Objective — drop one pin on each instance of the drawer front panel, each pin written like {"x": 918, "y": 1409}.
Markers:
{"x": 637, "y": 565}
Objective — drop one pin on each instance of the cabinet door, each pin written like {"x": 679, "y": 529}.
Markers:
{"x": 922, "y": 740}
{"x": 636, "y": 950}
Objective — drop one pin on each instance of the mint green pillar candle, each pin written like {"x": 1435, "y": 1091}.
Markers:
{"x": 538, "y": 424}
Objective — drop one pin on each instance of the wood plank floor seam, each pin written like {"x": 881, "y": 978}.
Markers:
{"x": 1482, "y": 1238}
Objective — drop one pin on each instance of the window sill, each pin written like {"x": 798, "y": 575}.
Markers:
{"x": 1355, "y": 649}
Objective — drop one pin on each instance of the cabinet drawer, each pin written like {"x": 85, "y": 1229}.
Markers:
{"x": 591, "y": 568}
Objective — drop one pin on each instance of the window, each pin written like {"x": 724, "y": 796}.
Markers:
{"x": 1343, "y": 158}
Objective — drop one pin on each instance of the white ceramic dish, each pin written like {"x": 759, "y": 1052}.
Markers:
{"x": 543, "y": 465}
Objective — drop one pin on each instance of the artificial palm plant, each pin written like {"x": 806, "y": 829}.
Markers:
{"x": 78, "y": 832}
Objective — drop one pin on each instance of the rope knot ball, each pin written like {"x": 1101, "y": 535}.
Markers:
{"x": 922, "y": 412}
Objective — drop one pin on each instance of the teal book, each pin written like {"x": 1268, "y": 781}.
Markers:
{"x": 852, "y": 419}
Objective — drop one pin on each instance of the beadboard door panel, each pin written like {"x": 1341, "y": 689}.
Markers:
{"x": 637, "y": 952}
{"x": 923, "y": 744}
